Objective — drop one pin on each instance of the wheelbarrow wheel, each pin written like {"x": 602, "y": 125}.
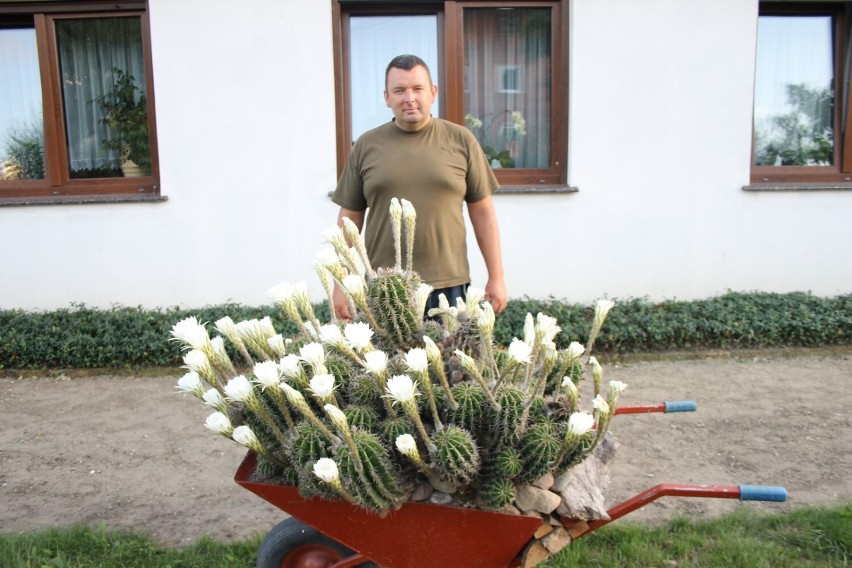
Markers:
{"x": 293, "y": 544}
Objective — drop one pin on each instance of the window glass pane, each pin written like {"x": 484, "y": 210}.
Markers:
{"x": 375, "y": 40}
{"x": 507, "y": 84}
{"x": 794, "y": 92}
{"x": 103, "y": 93}
{"x": 21, "y": 130}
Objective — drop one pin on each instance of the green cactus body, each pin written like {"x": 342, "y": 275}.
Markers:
{"x": 505, "y": 464}
{"x": 471, "y": 410}
{"x": 496, "y": 493}
{"x": 538, "y": 411}
{"x": 362, "y": 416}
{"x": 539, "y": 447}
{"x": 340, "y": 367}
{"x": 394, "y": 427}
{"x": 378, "y": 487}
{"x": 456, "y": 457}
{"x": 309, "y": 444}
{"x": 362, "y": 389}
{"x": 267, "y": 469}
{"x": 390, "y": 300}
{"x": 506, "y": 425}
{"x": 580, "y": 452}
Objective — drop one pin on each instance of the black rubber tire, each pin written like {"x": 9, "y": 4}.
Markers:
{"x": 290, "y": 534}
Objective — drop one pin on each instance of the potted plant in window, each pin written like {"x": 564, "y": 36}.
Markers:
{"x": 126, "y": 114}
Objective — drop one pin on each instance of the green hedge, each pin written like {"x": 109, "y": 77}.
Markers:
{"x": 83, "y": 337}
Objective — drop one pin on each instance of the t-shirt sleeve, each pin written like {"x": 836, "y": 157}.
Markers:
{"x": 349, "y": 192}
{"x": 481, "y": 181}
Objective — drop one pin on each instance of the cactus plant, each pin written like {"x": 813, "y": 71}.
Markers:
{"x": 486, "y": 417}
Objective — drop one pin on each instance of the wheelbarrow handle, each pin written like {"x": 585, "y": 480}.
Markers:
{"x": 741, "y": 492}
{"x": 666, "y": 407}
{"x": 763, "y": 493}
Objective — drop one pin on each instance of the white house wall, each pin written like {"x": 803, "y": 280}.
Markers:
{"x": 660, "y": 135}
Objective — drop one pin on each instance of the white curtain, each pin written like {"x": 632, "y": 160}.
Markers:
{"x": 507, "y": 65}
{"x": 374, "y": 41}
{"x": 89, "y": 49}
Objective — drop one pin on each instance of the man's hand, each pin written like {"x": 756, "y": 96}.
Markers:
{"x": 340, "y": 305}
{"x": 495, "y": 292}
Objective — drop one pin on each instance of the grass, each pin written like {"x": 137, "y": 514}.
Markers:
{"x": 807, "y": 537}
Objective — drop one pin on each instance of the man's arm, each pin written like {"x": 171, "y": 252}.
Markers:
{"x": 483, "y": 217}
{"x": 341, "y": 308}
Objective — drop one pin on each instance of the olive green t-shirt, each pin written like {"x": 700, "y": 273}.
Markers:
{"x": 437, "y": 169}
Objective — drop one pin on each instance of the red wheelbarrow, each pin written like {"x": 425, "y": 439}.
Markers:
{"x": 336, "y": 534}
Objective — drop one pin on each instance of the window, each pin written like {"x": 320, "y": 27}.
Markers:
{"x": 801, "y": 113}
{"x": 76, "y": 109}
{"x": 501, "y": 68}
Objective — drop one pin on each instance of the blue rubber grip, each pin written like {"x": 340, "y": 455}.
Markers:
{"x": 681, "y": 406}
{"x": 762, "y": 493}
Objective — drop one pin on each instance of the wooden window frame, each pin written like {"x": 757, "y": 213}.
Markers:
{"x": 450, "y": 15}
{"x": 841, "y": 170}
{"x": 57, "y": 184}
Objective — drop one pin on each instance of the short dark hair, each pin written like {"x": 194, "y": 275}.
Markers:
{"x": 406, "y": 62}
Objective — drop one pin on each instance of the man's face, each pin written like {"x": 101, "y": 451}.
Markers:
{"x": 410, "y": 94}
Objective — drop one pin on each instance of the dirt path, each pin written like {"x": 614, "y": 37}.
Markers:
{"x": 130, "y": 452}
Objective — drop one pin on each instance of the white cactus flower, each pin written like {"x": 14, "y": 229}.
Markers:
{"x": 546, "y": 328}
{"x": 313, "y": 354}
{"x": 579, "y": 423}
{"x": 330, "y": 334}
{"x": 218, "y": 345}
{"x": 197, "y": 361}
{"x": 359, "y": 335}
{"x": 601, "y": 405}
{"x": 337, "y": 417}
{"x": 245, "y": 436}
{"x": 191, "y": 333}
{"x": 376, "y": 362}
{"x": 322, "y": 385}
{"x": 276, "y": 343}
{"x": 214, "y": 399}
{"x": 227, "y": 327}
{"x": 401, "y": 388}
{"x": 191, "y": 383}
{"x": 406, "y": 444}
{"x": 529, "y": 330}
{"x": 616, "y": 388}
{"x": 519, "y": 351}
{"x": 433, "y": 353}
{"x": 290, "y": 366}
{"x": 474, "y": 297}
{"x": 239, "y": 389}
{"x": 219, "y": 423}
{"x": 282, "y": 293}
{"x": 326, "y": 469}
{"x": 416, "y": 360}
{"x": 353, "y": 284}
{"x": 408, "y": 211}
{"x": 602, "y": 308}
{"x": 575, "y": 349}
{"x": 268, "y": 374}
{"x": 395, "y": 208}
{"x": 569, "y": 385}
{"x": 327, "y": 256}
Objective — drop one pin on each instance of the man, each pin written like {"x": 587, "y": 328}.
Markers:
{"x": 437, "y": 166}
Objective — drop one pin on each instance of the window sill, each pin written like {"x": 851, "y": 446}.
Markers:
{"x": 780, "y": 187}
{"x": 532, "y": 190}
{"x": 82, "y": 200}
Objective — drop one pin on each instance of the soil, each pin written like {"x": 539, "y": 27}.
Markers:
{"x": 129, "y": 452}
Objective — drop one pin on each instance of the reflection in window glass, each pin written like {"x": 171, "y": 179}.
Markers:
{"x": 375, "y": 40}
{"x": 794, "y": 92}
{"x": 103, "y": 86}
{"x": 507, "y": 84}
{"x": 21, "y": 130}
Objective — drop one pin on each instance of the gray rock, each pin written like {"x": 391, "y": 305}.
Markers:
{"x": 529, "y": 498}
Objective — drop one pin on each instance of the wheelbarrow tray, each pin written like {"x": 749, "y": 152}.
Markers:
{"x": 416, "y": 535}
